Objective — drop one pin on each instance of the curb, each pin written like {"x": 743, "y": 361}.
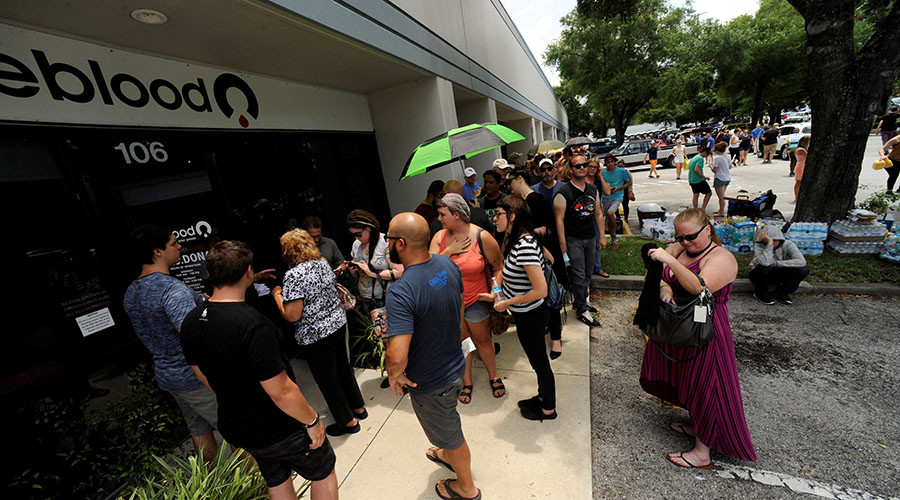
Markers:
{"x": 743, "y": 285}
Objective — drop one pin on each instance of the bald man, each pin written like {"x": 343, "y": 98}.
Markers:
{"x": 477, "y": 215}
{"x": 424, "y": 356}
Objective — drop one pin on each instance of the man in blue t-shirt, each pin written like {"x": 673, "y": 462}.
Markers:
{"x": 424, "y": 356}
{"x": 619, "y": 181}
{"x": 157, "y": 303}
{"x": 548, "y": 186}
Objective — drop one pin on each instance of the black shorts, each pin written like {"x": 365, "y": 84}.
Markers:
{"x": 701, "y": 187}
{"x": 293, "y": 453}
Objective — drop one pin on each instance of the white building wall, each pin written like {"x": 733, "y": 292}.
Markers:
{"x": 404, "y": 117}
{"x": 478, "y": 29}
{"x": 479, "y": 111}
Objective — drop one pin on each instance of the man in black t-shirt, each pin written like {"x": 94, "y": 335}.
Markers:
{"x": 577, "y": 210}
{"x": 234, "y": 350}
{"x": 770, "y": 143}
{"x": 887, "y": 124}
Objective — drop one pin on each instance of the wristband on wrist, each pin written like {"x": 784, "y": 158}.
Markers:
{"x": 313, "y": 423}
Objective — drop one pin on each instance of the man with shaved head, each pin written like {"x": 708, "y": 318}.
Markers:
{"x": 424, "y": 356}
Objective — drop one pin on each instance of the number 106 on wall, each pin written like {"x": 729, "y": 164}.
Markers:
{"x": 137, "y": 152}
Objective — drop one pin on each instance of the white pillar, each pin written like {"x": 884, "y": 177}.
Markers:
{"x": 405, "y": 116}
{"x": 482, "y": 110}
{"x": 525, "y": 127}
{"x": 538, "y": 130}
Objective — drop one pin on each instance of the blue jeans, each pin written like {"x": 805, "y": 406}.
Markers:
{"x": 581, "y": 259}
{"x": 598, "y": 265}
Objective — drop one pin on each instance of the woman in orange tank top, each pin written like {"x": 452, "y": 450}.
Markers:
{"x": 459, "y": 241}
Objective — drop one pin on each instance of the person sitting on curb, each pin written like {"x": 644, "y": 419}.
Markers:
{"x": 778, "y": 262}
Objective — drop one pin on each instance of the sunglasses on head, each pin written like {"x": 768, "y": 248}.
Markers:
{"x": 579, "y": 166}
{"x": 690, "y": 237}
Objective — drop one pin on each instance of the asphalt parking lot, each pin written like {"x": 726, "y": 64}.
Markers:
{"x": 820, "y": 389}
{"x": 754, "y": 177}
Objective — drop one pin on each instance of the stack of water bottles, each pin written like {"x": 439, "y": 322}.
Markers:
{"x": 808, "y": 236}
{"x": 852, "y": 237}
{"x": 737, "y": 234}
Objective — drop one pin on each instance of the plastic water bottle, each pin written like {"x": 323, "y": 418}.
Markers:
{"x": 497, "y": 290}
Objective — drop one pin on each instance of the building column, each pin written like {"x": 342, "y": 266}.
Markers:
{"x": 405, "y": 116}
{"x": 525, "y": 127}
{"x": 538, "y": 130}
{"x": 482, "y": 110}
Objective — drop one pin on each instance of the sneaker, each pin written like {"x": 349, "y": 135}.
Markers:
{"x": 784, "y": 298}
{"x": 614, "y": 246}
{"x": 534, "y": 402}
{"x": 765, "y": 299}
{"x": 536, "y": 413}
{"x": 791, "y": 174}
{"x": 588, "y": 319}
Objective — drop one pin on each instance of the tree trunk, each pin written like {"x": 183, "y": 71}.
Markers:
{"x": 620, "y": 124}
{"x": 757, "y": 105}
{"x": 845, "y": 89}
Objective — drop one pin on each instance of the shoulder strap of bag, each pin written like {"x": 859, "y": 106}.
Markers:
{"x": 487, "y": 265}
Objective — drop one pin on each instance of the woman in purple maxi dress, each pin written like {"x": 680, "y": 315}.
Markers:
{"x": 708, "y": 385}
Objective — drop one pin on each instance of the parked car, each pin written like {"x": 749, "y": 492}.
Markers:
{"x": 798, "y": 116}
{"x": 790, "y": 135}
{"x": 602, "y": 146}
{"x": 632, "y": 153}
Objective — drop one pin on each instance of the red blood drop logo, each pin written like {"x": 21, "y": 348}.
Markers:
{"x": 243, "y": 121}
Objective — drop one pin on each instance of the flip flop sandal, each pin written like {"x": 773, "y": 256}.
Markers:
{"x": 431, "y": 454}
{"x": 497, "y": 385}
{"x": 679, "y": 428}
{"x": 689, "y": 465}
{"x": 466, "y": 392}
{"x": 603, "y": 274}
{"x": 451, "y": 493}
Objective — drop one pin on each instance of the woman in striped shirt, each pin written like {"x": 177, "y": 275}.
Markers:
{"x": 524, "y": 289}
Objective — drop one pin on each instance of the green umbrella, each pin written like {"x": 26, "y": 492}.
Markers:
{"x": 545, "y": 146}
{"x": 457, "y": 144}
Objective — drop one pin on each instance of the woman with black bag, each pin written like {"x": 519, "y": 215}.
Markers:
{"x": 704, "y": 380}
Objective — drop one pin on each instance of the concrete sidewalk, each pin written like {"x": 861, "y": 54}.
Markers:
{"x": 511, "y": 457}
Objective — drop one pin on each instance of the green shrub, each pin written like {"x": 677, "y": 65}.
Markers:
{"x": 225, "y": 478}
{"x": 82, "y": 453}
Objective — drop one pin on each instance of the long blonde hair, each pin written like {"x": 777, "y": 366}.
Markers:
{"x": 699, "y": 217}
{"x": 298, "y": 246}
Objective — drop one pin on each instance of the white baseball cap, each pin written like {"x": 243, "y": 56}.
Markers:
{"x": 469, "y": 172}
{"x": 501, "y": 163}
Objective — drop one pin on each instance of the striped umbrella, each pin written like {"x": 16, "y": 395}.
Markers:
{"x": 544, "y": 146}
{"x": 457, "y": 144}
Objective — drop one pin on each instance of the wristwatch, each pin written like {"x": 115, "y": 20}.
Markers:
{"x": 313, "y": 423}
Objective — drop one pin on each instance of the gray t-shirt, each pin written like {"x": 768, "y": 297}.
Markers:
{"x": 156, "y": 305}
{"x": 426, "y": 303}
{"x": 313, "y": 283}
{"x": 330, "y": 251}
{"x": 722, "y": 164}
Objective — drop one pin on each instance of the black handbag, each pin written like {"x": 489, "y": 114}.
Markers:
{"x": 677, "y": 323}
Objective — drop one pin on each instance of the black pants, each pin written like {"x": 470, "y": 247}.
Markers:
{"x": 625, "y": 200}
{"x": 892, "y": 171}
{"x": 331, "y": 369}
{"x": 785, "y": 279}
{"x": 530, "y": 329}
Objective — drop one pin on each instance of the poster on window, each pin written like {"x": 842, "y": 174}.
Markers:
{"x": 196, "y": 239}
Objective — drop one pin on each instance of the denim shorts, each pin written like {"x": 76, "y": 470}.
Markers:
{"x": 478, "y": 312}
{"x": 199, "y": 409}
{"x": 720, "y": 183}
{"x": 293, "y": 453}
{"x": 610, "y": 205}
{"x": 436, "y": 411}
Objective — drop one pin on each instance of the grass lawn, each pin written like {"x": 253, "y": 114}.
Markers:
{"x": 829, "y": 267}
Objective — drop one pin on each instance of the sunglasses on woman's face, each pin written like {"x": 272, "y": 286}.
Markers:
{"x": 690, "y": 237}
{"x": 356, "y": 234}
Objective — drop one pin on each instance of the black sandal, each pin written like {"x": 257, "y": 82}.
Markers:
{"x": 497, "y": 385}
{"x": 466, "y": 392}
